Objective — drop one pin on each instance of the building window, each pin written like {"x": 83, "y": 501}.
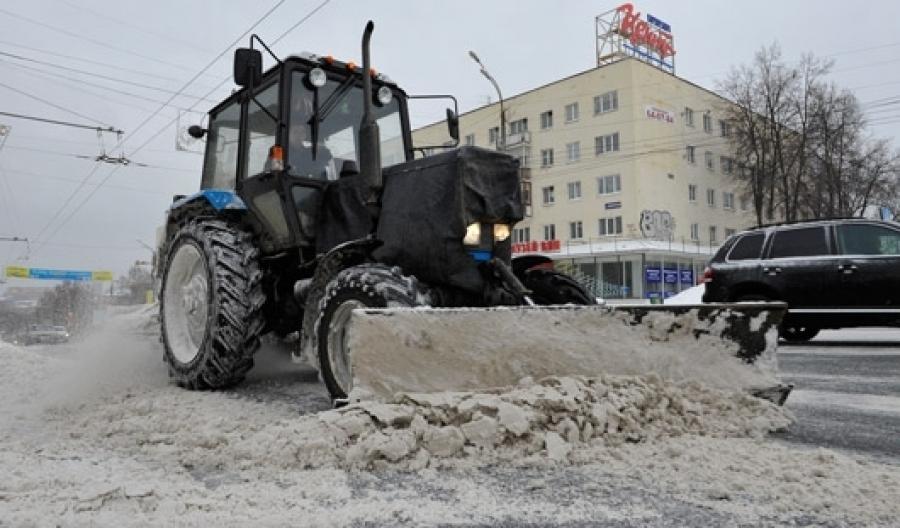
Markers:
{"x": 546, "y": 157}
{"x": 571, "y": 112}
{"x": 709, "y": 160}
{"x": 728, "y": 200}
{"x": 611, "y": 226}
{"x": 713, "y": 236}
{"x": 575, "y": 230}
{"x": 609, "y": 184}
{"x": 690, "y": 154}
{"x": 493, "y": 135}
{"x": 607, "y": 102}
{"x": 573, "y": 151}
{"x": 470, "y": 139}
{"x": 547, "y": 120}
{"x": 707, "y": 123}
{"x": 692, "y": 193}
{"x": 689, "y": 116}
{"x": 522, "y": 234}
{"x": 724, "y": 128}
{"x": 607, "y": 143}
{"x": 745, "y": 203}
{"x": 574, "y": 190}
{"x": 548, "y": 195}
{"x": 695, "y": 231}
{"x": 526, "y": 193}
{"x": 550, "y": 232}
{"x": 710, "y": 197}
{"x": 730, "y": 232}
{"x": 727, "y": 164}
{"x": 518, "y": 126}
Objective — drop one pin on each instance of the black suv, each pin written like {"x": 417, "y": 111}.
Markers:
{"x": 831, "y": 273}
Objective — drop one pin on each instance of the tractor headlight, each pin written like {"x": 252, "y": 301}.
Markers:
{"x": 473, "y": 234}
{"x": 385, "y": 95}
{"x": 317, "y": 77}
{"x": 501, "y": 232}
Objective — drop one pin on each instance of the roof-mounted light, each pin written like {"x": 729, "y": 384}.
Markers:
{"x": 317, "y": 77}
{"x": 385, "y": 95}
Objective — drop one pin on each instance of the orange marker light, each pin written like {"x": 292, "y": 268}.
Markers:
{"x": 276, "y": 158}
{"x": 328, "y": 59}
{"x": 351, "y": 66}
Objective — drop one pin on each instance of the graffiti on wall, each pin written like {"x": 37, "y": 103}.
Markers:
{"x": 657, "y": 224}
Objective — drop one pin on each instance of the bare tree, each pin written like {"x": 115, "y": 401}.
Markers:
{"x": 800, "y": 142}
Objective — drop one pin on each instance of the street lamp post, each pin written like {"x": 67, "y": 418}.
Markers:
{"x": 499, "y": 95}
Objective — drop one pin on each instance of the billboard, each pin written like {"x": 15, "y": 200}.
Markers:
{"x": 20, "y": 272}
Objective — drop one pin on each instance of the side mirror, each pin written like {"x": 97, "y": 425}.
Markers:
{"x": 349, "y": 168}
{"x": 196, "y": 132}
{"x": 453, "y": 124}
{"x": 247, "y": 67}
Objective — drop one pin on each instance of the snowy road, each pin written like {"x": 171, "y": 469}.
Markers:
{"x": 847, "y": 391}
{"x": 93, "y": 434}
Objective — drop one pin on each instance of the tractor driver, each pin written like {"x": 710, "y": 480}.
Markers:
{"x": 300, "y": 142}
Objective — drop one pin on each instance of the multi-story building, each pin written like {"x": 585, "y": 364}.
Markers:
{"x": 626, "y": 172}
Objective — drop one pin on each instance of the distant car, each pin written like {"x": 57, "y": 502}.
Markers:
{"x": 40, "y": 333}
{"x": 831, "y": 273}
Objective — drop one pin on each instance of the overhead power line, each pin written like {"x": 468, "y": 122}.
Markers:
{"x": 170, "y": 123}
{"x": 91, "y": 74}
{"x": 54, "y": 105}
{"x": 97, "y": 42}
{"x": 89, "y": 61}
{"x": 63, "y": 123}
{"x": 139, "y": 127}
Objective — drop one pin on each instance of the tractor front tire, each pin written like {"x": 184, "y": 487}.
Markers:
{"x": 362, "y": 286}
{"x": 211, "y": 305}
{"x": 550, "y": 287}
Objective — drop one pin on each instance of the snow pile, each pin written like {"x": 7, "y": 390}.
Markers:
{"x": 548, "y": 419}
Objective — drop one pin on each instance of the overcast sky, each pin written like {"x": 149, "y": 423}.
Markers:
{"x": 154, "y": 48}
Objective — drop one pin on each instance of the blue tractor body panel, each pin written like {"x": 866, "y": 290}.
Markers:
{"x": 219, "y": 199}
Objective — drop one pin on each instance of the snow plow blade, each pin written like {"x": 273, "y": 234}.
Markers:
{"x": 423, "y": 350}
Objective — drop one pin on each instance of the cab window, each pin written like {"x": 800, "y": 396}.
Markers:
{"x": 868, "y": 239}
{"x": 223, "y": 139}
{"x": 262, "y": 127}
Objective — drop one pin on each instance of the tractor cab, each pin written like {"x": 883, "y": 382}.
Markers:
{"x": 288, "y": 143}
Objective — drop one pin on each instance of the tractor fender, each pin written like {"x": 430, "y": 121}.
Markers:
{"x": 218, "y": 199}
{"x": 329, "y": 265}
{"x": 524, "y": 263}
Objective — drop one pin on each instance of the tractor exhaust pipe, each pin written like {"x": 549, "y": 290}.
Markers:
{"x": 369, "y": 140}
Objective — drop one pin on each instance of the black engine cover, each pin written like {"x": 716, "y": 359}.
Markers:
{"x": 428, "y": 203}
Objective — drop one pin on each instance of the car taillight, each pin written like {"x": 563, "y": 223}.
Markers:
{"x": 707, "y": 276}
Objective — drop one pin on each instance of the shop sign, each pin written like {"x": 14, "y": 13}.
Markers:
{"x": 670, "y": 276}
{"x": 546, "y": 246}
{"x": 656, "y": 38}
{"x": 652, "y": 274}
{"x": 659, "y": 114}
{"x": 687, "y": 276}
{"x": 613, "y": 205}
{"x": 53, "y": 274}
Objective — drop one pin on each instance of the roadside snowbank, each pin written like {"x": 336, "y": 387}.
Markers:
{"x": 692, "y": 295}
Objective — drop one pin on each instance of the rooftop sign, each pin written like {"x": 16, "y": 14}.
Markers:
{"x": 624, "y": 32}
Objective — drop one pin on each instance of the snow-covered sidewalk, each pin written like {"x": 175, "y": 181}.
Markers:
{"x": 93, "y": 433}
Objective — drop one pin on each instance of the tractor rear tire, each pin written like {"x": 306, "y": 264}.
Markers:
{"x": 211, "y": 301}
{"x": 362, "y": 286}
{"x": 552, "y": 287}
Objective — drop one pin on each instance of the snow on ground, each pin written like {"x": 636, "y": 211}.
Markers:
{"x": 692, "y": 295}
{"x": 93, "y": 433}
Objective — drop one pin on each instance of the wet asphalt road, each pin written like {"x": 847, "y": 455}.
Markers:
{"x": 847, "y": 391}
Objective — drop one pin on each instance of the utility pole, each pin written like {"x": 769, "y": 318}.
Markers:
{"x": 500, "y": 95}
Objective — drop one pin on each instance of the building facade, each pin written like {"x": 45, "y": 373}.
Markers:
{"x": 626, "y": 172}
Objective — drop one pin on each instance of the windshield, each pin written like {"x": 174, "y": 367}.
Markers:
{"x": 338, "y": 129}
